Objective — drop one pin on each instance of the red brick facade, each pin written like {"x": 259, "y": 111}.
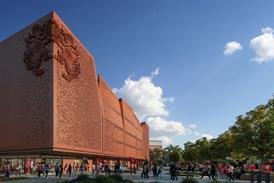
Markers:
{"x": 55, "y": 104}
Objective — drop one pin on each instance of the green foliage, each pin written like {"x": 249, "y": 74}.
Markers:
{"x": 189, "y": 180}
{"x": 116, "y": 177}
{"x": 172, "y": 154}
{"x": 101, "y": 179}
{"x": 2, "y": 178}
{"x": 251, "y": 137}
{"x": 156, "y": 154}
{"x": 174, "y": 157}
{"x": 83, "y": 178}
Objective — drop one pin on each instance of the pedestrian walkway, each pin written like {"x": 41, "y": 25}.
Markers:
{"x": 135, "y": 178}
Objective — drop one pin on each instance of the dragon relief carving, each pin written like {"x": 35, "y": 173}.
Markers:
{"x": 67, "y": 54}
{"x": 38, "y": 52}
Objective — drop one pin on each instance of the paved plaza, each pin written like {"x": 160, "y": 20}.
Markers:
{"x": 135, "y": 178}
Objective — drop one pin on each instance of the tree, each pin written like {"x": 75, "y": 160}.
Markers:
{"x": 171, "y": 153}
{"x": 190, "y": 152}
{"x": 156, "y": 155}
{"x": 174, "y": 157}
{"x": 254, "y": 132}
{"x": 251, "y": 137}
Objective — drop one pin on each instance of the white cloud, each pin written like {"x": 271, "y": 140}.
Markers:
{"x": 162, "y": 129}
{"x": 144, "y": 96}
{"x": 192, "y": 126}
{"x": 167, "y": 140}
{"x": 263, "y": 45}
{"x": 160, "y": 126}
{"x": 207, "y": 136}
{"x": 232, "y": 47}
{"x": 149, "y": 104}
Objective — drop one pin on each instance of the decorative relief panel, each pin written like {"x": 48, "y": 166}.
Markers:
{"x": 38, "y": 50}
{"x": 67, "y": 54}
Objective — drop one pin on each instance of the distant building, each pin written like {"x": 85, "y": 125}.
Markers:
{"x": 155, "y": 144}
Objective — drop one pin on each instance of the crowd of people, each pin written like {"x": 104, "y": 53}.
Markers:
{"x": 223, "y": 170}
{"x": 212, "y": 170}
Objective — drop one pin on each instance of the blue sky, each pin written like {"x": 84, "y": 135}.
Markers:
{"x": 184, "y": 39}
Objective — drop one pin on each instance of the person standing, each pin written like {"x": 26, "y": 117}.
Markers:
{"x": 189, "y": 170}
{"x": 74, "y": 168}
{"x": 47, "y": 170}
{"x": 143, "y": 171}
{"x": 106, "y": 169}
{"x": 171, "y": 172}
{"x": 18, "y": 169}
{"x": 93, "y": 168}
{"x": 175, "y": 172}
{"x": 120, "y": 169}
{"x": 131, "y": 168}
{"x": 7, "y": 171}
{"x": 60, "y": 171}
{"x": 82, "y": 168}
{"x": 56, "y": 169}
{"x": 69, "y": 169}
{"x": 97, "y": 169}
{"x": 134, "y": 169}
{"x": 231, "y": 171}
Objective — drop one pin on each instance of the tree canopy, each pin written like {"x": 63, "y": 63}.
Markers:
{"x": 251, "y": 137}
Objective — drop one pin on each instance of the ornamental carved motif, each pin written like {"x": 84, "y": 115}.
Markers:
{"x": 38, "y": 51}
{"x": 67, "y": 54}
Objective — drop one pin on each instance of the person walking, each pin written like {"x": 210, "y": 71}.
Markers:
{"x": 206, "y": 171}
{"x": 146, "y": 172}
{"x": 213, "y": 172}
{"x": 173, "y": 170}
{"x": 39, "y": 169}
{"x": 160, "y": 171}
